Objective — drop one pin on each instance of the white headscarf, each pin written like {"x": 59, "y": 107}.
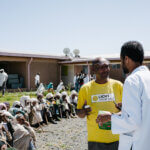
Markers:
{"x": 16, "y": 103}
{"x": 49, "y": 95}
{"x": 23, "y": 99}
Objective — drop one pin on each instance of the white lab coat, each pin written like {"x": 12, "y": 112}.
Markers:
{"x": 134, "y": 123}
{"x": 37, "y": 79}
{"x": 3, "y": 78}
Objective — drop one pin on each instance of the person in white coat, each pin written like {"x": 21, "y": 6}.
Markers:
{"x": 134, "y": 121}
{"x": 37, "y": 80}
{"x": 3, "y": 80}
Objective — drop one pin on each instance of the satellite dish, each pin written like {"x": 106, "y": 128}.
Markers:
{"x": 66, "y": 51}
{"x": 76, "y": 52}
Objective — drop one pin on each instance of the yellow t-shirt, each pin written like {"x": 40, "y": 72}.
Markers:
{"x": 100, "y": 97}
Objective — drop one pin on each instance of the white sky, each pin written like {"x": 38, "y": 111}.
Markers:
{"x": 93, "y": 26}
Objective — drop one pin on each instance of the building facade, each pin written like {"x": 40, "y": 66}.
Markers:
{"x": 22, "y": 68}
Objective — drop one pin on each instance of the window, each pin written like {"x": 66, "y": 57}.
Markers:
{"x": 115, "y": 66}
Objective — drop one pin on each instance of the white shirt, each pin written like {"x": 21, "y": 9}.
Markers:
{"x": 37, "y": 79}
{"x": 86, "y": 79}
{"x": 37, "y": 118}
{"x": 74, "y": 80}
{"x": 59, "y": 87}
{"x": 75, "y": 100}
{"x": 3, "y": 78}
{"x": 134, "y": 123}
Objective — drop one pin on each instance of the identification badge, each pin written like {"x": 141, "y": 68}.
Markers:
{"x": 103, "y": 98}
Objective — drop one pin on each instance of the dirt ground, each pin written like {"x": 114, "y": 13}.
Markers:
{"x": 68, "y": 134}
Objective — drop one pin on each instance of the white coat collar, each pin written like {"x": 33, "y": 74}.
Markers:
{"x": 140, "y": 68}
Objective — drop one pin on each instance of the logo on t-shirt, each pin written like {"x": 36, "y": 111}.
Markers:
{"x": 103, "y": 98}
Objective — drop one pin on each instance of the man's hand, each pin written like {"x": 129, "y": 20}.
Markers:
{"x": 26, "y": 123}
{"x": 103, "y": 118}
{"x": 118, "y": 106}
{"x": 85, "y": 111}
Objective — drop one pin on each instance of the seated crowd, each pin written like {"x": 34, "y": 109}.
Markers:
{"x": 17, "y": 122}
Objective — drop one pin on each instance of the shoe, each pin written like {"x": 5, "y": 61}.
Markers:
{"x": 58, "y": 119}
{"x": 67, "y": 115}
{"x": 72, "y": 116}
{"x": 52, "y": 121}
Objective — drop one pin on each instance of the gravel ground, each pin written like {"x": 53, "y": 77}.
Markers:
{"x": 68, "y": 134}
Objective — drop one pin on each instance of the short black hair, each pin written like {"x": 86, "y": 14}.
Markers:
{"x": 134, "y": 50}
{"x": 99, "y": 60}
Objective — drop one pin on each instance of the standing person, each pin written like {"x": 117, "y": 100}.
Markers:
{"x": 98, "y": 95}
{"x": 3, "y": 80}
{"x": 74, "y": 80}
{"x": 81, "y": 80}
{"x": 77, "y": 82}
{"x": 134, "y": 121}
{"x": 86, "y": 79}
{"x": 37, "y": 80}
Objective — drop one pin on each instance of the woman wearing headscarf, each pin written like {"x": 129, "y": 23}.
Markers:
{"x": 3, "y": 106}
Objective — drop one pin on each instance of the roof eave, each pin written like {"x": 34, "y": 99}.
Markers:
{"x": 33, "y": 56}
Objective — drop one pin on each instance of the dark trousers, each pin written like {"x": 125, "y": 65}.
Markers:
{"x": 103, "y": 146}
{"x": 3, "y": 87}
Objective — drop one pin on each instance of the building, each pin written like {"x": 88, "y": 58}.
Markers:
{"x": 23, "y": 68}
{"x": 76, "y": 65}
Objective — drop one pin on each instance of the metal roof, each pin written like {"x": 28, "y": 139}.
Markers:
{"x": 65, "y": 59}
{"x": 112, "y": 58}
{"x": 33, "y": 55}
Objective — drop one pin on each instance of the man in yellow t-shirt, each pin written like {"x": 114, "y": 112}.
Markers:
{"x": 100, "y": 94}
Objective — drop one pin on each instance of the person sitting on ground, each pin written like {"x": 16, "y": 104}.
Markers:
{"x": 7, "y": 105}
{"x": 73, "y": 103}
{"x": 5, "y": 135}
{"x": 26, "y": 105}
{"x": 40, "y": 89}
{"x": 3, "y": 106}
{"x": 36, "y": 111}
{"x": 16, "y": 108}
{"x": 56, "y": 108}
{"x": 72, "y": 111}
{"x": 65, "y": 104}
{"x": 50, "y": 87}
{"x": 60, "y": 86}
{"x": 22, "y": 121}
{"x": 45, "y": 108}
{"x": 21, "y": 137}
{"x": 57, "y": 98}
{"x": 74, "y": 98}
{"x": 51, "y": 102}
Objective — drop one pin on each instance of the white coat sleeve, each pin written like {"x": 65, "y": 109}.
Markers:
{"x": 130, "y": 119}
